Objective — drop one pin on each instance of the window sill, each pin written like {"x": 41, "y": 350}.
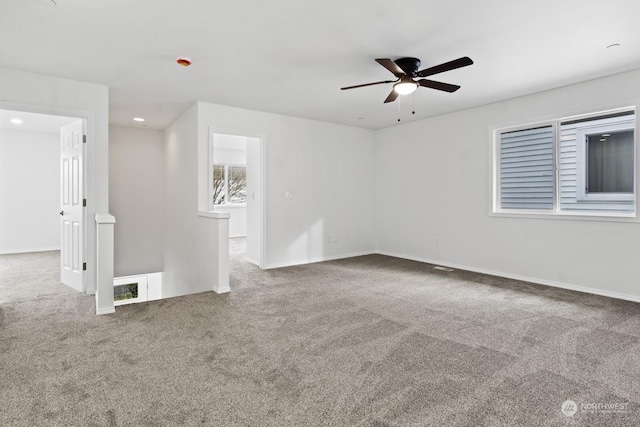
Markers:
{"x": 230, "y": 205}
{"x": 573, "y": 216}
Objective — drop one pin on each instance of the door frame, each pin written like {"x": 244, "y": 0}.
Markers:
{"x": 262, "y": 137}
{"x": 88, "y": 173}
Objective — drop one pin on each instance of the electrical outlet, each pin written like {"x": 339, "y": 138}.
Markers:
{"x": 288, "y": 195}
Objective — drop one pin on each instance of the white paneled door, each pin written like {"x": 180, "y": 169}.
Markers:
{"x": 71, "y": 205}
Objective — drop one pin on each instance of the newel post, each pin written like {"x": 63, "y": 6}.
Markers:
{"x": 219, "y": 229}
{"x": 104, "y": 268}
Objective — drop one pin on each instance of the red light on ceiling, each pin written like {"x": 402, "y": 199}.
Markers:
{"x": 185, "y": 62}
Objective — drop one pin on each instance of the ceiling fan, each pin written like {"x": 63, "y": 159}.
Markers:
{"x": 406, "y": 71}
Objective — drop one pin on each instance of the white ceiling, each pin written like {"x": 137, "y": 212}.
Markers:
{"x": 33, "y": 122}
{"x": 292, "y": 56}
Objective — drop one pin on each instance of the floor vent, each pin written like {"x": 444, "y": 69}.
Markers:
{"x": 439, "y": 267}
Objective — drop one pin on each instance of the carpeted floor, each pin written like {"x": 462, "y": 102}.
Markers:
{"x": 367, "y": 341}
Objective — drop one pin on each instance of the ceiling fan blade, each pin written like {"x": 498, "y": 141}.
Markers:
{"x": 447, "y": 66}
{"x": 366, "y": 84}
{"x": 391, "y": 66}
{"x": 392, "y": 96}
{"x": 438, "y": 85}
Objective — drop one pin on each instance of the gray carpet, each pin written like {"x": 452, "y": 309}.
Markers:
{"x": 367, "y": 341}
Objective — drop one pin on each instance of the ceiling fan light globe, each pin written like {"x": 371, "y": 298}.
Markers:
{"x": 405, "y": 88}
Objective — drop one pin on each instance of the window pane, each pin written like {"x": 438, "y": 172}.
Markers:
{"x": 218, "y": 184}
{"x": 598, "y": 176}
{"x": 610, "y": 163}
{"x": 527, "y": 169}
{"x": 237, "y": 184}
{"x": 125, "y": 292}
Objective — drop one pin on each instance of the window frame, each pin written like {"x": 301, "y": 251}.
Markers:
{"x": 581, "y": 164}
{"x": 226, "y": 166}
{"x": 495, "y": 209}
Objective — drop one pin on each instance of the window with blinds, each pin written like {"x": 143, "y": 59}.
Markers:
{"x": 578, "y": 165}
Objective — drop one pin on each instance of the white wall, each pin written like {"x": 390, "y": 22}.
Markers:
{"x": 29, "y": 191}
{"x": 190, "y": 250}
{"x": 44, "y": 94}
{"x": 136, "y": 199}
{"x": 329, "y": 170}
{"x": 434, "y": 182}
{"x": 228, "y": 156}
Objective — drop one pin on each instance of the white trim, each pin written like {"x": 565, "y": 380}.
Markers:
{"x": 231, "y": 206}
{"x": 89, "y": 277}
{"x": 574, "y": 216}
{"x": 102, "y": 311}
{"x": 318, "y": 259}
{"x": 222, "y": 290}
{"x": 105, "y": 219}
{"x": 581, "y": 163}
{"x": 556, "y": 213}
{"x": 214, "y": 215}
{"x": 252, "y": 261}
{"x": 25, "y": 251}
{"x": 533, "y": 280}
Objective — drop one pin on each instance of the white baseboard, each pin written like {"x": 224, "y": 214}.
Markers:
{"x": 102, "y": 311}
{"x": 536, "y": 280}
{"x": 25, "y": 251}
{"x": 318, "y": 259}
{"x": 224, "y": 290}
{"x": 252, "y": 261}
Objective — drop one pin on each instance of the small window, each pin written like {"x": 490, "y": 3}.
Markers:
{"x": 610, "y": 163}
{"x": 125, "y": 292}
{"x": 129, "y": 290}
{"x": 605, "y": 161}
{"x": 580, "y": 165}
{"x": 229, "y": 184}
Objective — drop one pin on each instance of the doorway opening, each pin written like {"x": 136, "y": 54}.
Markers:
{"x": 236, "y": 171}
{"x": 42, "y": 189}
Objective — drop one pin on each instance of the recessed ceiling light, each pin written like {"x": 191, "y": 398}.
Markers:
{"x": 604, "y": 135}
{"x": 16, "y": 121}
{"x": 603, "y": 139}
{"x": 138, "y": 119}
{"x": 613, "y": 45}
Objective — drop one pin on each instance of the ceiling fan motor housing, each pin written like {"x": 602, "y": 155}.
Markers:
{"x": 408, "y": 65}
{"x": 406, "y": 70}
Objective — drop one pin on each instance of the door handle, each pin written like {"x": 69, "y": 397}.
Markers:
{"x": 61, "y": 213}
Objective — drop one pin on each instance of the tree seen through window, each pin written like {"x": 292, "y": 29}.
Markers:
{"x": 229, "y": 184}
